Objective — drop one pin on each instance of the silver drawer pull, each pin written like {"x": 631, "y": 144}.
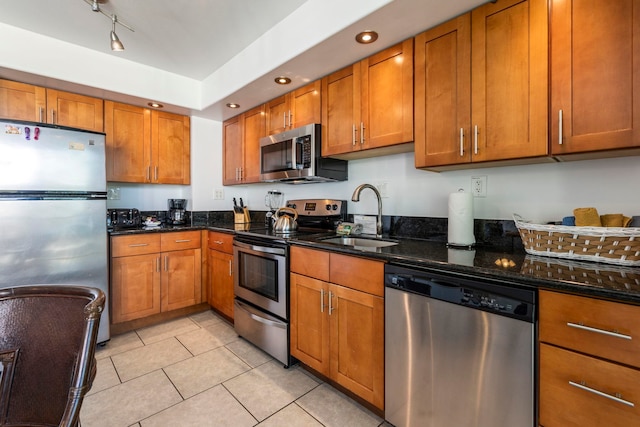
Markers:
{"x": 584, "y": 387}
{"x": 137, "y": 245}
{"x": 599, "y": 331}
{"x": 183, "y": 240}
{"x": 218, "y": 242}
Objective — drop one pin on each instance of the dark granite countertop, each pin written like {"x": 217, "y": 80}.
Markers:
{"x": 609, "y": 281}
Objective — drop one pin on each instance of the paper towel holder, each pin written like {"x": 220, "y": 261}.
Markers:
{"x": 460, "y": 246}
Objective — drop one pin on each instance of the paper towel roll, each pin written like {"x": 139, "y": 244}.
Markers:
{"x": 460, "y": 228}
{"x": 461, "y": 256}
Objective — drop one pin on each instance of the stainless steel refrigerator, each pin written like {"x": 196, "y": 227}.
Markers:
{"x": 53, "y": 208}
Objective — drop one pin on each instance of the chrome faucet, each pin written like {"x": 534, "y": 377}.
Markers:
{"x": 356, "y": 198}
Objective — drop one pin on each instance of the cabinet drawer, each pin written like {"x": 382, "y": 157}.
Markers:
{"x": 222, "y": 242}
{"x": 310, "y": 262}
{"x": 180, "y": 240}
{"x": 361, "y": 274}
{"x": 135, "y": 244}
{"x": 570, "y": 387}
{"x": 602, "y": 328}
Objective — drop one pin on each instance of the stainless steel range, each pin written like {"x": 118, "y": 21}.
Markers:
{"x": 261, "y": 279}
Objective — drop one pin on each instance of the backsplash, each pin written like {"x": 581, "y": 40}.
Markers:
{"x": 501, "y": 234}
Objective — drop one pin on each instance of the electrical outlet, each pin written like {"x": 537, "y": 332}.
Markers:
{"x": 479, "y": 186}
{"x": 218, "y": 194}
{"x": 382, "y": 189}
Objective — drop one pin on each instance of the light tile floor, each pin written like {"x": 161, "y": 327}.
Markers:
{"x": 195, "y": 371}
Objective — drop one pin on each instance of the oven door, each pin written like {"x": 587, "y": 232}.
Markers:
{"x": 260, "y": 275}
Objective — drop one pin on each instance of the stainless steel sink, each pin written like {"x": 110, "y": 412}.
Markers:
{"x": 360, "y": 242}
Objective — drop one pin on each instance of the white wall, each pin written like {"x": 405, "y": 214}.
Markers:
{"x": 538, "y": 192}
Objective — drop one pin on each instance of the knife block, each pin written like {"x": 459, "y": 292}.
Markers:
{"x": 242, "y": 217}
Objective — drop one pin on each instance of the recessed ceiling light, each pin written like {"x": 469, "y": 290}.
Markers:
{"x": 367, "y": 37}
{"x": 283, "y": 80}
{"x": 233, "y": 105}
{"x": 154, "y": 105}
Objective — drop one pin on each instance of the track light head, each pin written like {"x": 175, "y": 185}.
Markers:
{"x": 116, "y": 44}
{"x": 95, "y": 6}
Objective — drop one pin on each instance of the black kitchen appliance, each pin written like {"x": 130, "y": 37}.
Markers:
{"x": 123, "y": 218}
{"x": 177, "y": 211}
{"x": 261, "y": 282}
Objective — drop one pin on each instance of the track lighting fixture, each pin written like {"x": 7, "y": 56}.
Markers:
{"x": 116, "y": 44}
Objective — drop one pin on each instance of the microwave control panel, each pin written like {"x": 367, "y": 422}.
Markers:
{"x": 304, "y": 152}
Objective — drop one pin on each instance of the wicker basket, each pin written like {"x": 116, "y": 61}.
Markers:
{"x": 612, "y": 245}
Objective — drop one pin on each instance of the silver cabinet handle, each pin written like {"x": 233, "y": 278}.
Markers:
{"x": 461, "y": 142}
{"x": 290, "y": 119}
{"x": 321, "y": 300}
{"x": 560, "y": 127}
{"x": 354, "y": 135}
{"x": 166, "y": 263}
{"x": 158, "y": 265}
{"x": 149, "y": 173}
{"x": 230, "y": 268}
{"x": 284, "y": 119}
{"x": 218, "y": 242}
{"x": 137, "y": 245}
{"x": 156, "y": 174}
{"x": 53, "y": 116}
{"x": 362, "y": 133}
{"x": 599, "y": 331}
{"x": 41, "y": 114}
{"x": 475, "y": 139}
{"x": 183, "y": 240}
{"x": 330, "y": 303}
{"x": 616, "y": 397}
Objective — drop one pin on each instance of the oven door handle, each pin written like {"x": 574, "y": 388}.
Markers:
{"x": 258, "y": 318}
{"x": 262, "y": 249}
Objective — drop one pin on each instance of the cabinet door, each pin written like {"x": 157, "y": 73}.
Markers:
{"x": 135, "y": 287}
{"x": 309, "y": 322}
{"x": 357, "y": 342}
{"x": 232, "y": 150}
{"x": 220, "y": 295}
{"x": 595, "y": 82}
{"x": 254, "y": 129}
{"x": 170, "y": 148}
{"x": 278, "y": 115}
{"x": 579, "y": 390}
{"x": 387, "y": 97}
{"x": 443, "y": 94}
{"x": 20, "y": 101}
{"x": 341, "y": 111}
{"x": 509, "y": 80}
{"x": 305, "y": 105}
{"x": 128, "y": 152}
{"x": 73, "y": 110}
{"x": 181, "y": 278}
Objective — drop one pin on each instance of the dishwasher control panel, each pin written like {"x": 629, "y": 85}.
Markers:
{"x": 473, "y": 292}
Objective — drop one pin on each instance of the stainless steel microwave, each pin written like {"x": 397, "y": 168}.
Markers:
{"x": 294, "y": 157}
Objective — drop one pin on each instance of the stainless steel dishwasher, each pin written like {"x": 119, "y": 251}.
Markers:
{"x": 459, "y": 351}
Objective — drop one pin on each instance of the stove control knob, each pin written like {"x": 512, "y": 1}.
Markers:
{"x": 328, "y": 207}
{"x": 335, "y": 207}
{"x": 291, "y": 205}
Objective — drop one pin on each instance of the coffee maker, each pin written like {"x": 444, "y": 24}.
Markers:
{"x": 177, "y": 209}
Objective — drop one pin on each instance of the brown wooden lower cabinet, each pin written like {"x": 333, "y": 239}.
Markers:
{"x": 589, "y": 362}
{"x": 146, "y": 280}
{"x": 338, "y": 330}
{"x": 220, "y": 265}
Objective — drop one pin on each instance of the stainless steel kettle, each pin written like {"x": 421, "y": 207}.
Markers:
{"x": 285, "y": 223}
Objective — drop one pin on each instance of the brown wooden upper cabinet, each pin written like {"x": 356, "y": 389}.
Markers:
{"x": 481, "y": 87}
{"x": 146, "y": 146}
{"x": 369, "y": 105}
{"x": 20, "y": 101}
{"x": 595, "y": 77}
{"x": 294, "y": 109}
{"x": 241, "y": 146}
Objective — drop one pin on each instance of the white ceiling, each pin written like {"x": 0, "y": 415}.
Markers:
{"x": 196, "y": 39}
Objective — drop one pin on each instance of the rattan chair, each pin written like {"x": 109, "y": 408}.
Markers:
{"x": 47, "y": 352}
